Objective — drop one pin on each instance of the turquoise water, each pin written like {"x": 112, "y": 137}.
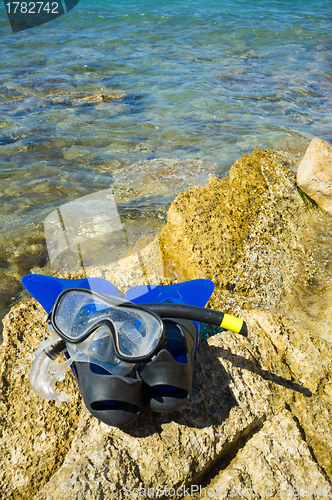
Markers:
{"x": 200, "y": 83}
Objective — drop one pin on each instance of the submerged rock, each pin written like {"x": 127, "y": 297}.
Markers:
{"x": 31, "y": 100}
{"x": 260, "y": 414}
{"x": 76, "y": 98}
{"x": 314, "y": 175}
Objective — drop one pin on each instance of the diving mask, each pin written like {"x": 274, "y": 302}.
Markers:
{"x": 105, "y": 326}
{"x": 98, "y": 329}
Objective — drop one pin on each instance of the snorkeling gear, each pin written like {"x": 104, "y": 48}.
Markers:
{"x": 103, "y": 343}
{"x": 167, "y": 379}
{"x": 45, "y": 372}
{"x": 121, "y": 350}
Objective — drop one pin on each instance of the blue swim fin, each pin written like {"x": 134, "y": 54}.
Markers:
{"x": 194, "y": 293}
{"x": 45, "y": 289}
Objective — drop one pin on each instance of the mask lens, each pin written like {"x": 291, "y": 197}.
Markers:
{"x": 98, "y": 349}
{"x": 138, "y": 332}
{"x": 75, "y": 313}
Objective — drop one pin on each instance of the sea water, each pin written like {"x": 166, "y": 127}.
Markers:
{"x": 200, "y": 84}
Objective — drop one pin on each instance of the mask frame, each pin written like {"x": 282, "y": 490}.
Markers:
{"x": 88, "y": 330}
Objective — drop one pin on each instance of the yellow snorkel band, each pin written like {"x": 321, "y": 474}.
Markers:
{"x": 233, "y": 324}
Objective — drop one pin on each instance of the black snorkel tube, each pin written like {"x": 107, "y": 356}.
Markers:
{"x": 168, "y": 310}
{"x": 194, "y": 313}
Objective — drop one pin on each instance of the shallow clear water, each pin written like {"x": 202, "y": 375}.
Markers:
{"x": 201, "y": 81}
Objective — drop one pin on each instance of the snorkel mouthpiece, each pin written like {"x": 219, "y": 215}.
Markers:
{"x": 45, "y": 372}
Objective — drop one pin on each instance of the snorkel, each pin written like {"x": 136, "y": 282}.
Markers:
{"x": 97, "y": 336}
{"x": 194, "y": 313}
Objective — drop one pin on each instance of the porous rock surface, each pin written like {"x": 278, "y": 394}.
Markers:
{"x": 34, "y": 434}
{"x": 266, "y": 468}
{"x": 314, "y": 175}
{"x": 253, "y": 236}
{"x": 260, "y": 415}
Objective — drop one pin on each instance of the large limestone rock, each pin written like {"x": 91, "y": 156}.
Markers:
{"x": 252, "y": 234}
{"x": 243, "y": 231}
{"x": 266, "y": 468}
{"x": 261, "y": 410}
{"x": 314, "y": 175}
{"x": 279, "y": 375}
